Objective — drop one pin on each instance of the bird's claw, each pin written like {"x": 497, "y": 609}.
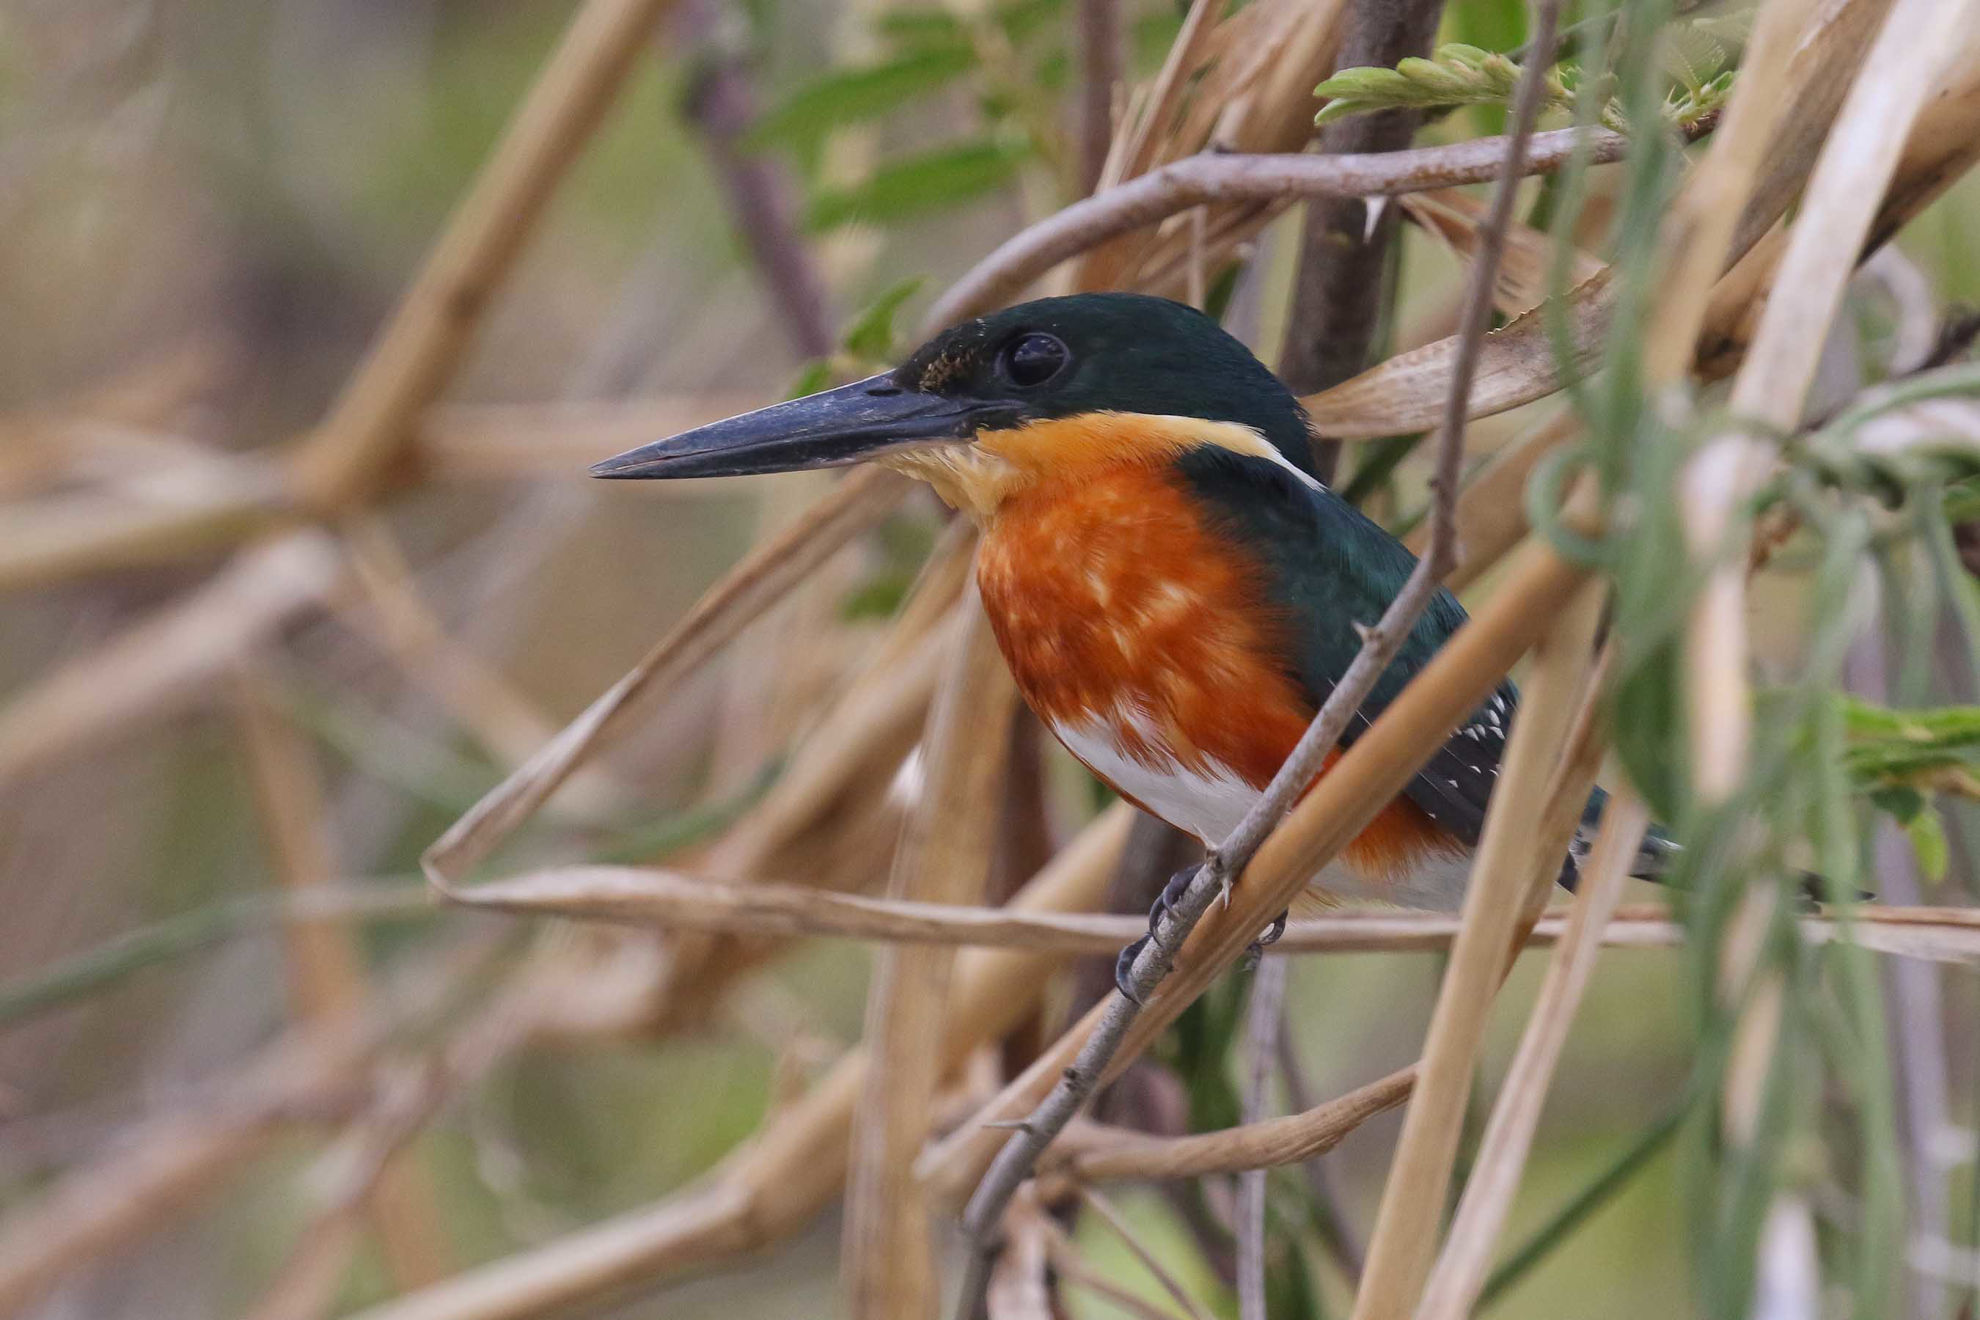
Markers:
{"x": 1172, "y": 892}
{"x": 1256, "y": 949}
{"x": 1124, "y": 968}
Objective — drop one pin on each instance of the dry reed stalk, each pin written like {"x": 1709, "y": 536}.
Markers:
{"x": 1200, "y": 180}
{"x": 944, "y": 858}
{"x": 1519, "y": 364}
{"x": 856, "y": 750}
{"x": 1249, "y": 90}
{"x": 1943, "y": 146}
{"x": 1698, "y": 231}
{"x": 762, "y": 578}
{"x": 1525, "y": 267}
{"x": 1264, "y": 1021}
{"x": 408, "y": 365}
{"x": 428, "y": 336}
{"x": 325, "y": 967}
{"x": 171, "y": 655}
{"x": 1459, "y": 1277}
{"x": 1142, "y": 136}
{"x": 1857, "y": 162}
{"x": 794, "y": 1166}
{"x": 1096, "y": 1153}
{"x": 37, "y": 442}
{"x": 1403, "y": 1242}
{"x": 306, "y": 1286}
{"x": 64, "y": 536}
{"x": 643, "y": 896}
{"x": 1537, "y": 585}
{"x": 548, "y": 995}
{"x": 851, "y": 754}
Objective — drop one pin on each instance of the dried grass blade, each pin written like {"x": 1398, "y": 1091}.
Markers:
{"x": 791, "y": 1169}
{"x": 1856, "y": 164}
{"x": 1459, "y": 1278}
{"x": 1525, "y": 267}
{"x": 1403, "y": 1243}
{"x": 944, "y": 858}
{"x": 751, "y": 587}
{"x": 424, "y": 343}
{"x": 1516, "y": 365}
{"x": 170, "y": 656}
{"x": 1093, "y": 1153}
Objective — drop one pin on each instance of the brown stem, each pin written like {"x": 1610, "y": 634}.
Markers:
{"x": 1203, "y": 179}
{"x": 1338, "y": 293}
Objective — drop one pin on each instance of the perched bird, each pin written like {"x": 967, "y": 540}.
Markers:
{"x": 1174, "y": 589}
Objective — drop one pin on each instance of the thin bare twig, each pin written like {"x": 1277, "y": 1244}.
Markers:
{"x": 643, "y": 896}
{"x": 1267, "y": 1010}
{"x": 889, "y": 1252}
{"x": 1336, "y": 1233}
{"x": 720, "y": 102}
{"x": 1454, "y": 1286}
{"x": 1203, "y": 179}
{"x": 1227, "y": 861}
{"x": 1096, "y": 1152}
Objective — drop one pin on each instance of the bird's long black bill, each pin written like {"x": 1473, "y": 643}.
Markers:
{"x": 828, "y": 429}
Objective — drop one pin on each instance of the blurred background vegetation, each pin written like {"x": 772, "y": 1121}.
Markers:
{"x": 209, "y": 208}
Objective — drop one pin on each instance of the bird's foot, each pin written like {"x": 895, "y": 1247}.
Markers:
{"x": 1256, "y": 949}
{"x": 1165, "y": 901}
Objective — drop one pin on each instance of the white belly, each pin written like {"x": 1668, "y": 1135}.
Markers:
{"x": 1210, "y": 801}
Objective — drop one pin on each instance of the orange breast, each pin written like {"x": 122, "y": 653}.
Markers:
{"x": 1109, "y": 594}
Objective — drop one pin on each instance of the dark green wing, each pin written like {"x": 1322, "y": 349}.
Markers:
{"x": 1329, "y": 567}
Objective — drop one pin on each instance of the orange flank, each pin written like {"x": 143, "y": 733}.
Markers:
{"x": 1120, "y": 612}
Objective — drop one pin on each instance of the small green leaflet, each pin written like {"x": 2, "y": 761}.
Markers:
{"x": 851, "y": 96}
{"x": 1928, "y": 840}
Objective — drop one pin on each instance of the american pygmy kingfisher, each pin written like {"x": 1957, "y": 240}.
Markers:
{"x": 1174, "y": 589}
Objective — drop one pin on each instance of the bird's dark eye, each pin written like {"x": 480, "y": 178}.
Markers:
{"x": 1033, "y": 359}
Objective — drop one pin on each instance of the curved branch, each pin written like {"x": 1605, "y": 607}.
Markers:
{"x": 1208, "y": 178}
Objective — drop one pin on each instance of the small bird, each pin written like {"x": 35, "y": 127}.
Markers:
{"x": 1174, "y": 589}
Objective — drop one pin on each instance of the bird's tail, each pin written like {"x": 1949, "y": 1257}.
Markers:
{"x": 1653, "y": 856}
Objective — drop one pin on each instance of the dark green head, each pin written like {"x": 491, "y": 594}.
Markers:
{"x": 1053, "y": 358}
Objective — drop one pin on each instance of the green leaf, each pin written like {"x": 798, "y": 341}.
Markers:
{"x": 1902, "y": 804}
{"x": 921, "y": 28}
{"x": 850, "y": 96}
{"x": 872, "y": 335}
{"x": 916, "y": 185}
{"x": 1649, "y": 742}
{"x": 1928, "y": 840}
